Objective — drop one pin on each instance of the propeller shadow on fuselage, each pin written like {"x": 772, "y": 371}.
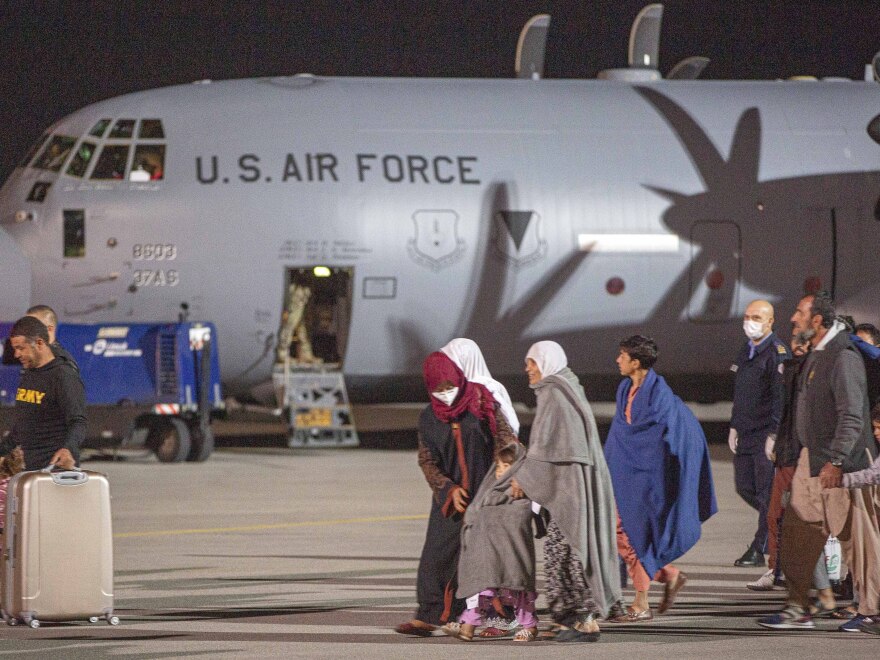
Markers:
{"x": 733, "y": 194}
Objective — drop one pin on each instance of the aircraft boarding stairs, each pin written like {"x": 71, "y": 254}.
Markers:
{"x": 317, "y": 401}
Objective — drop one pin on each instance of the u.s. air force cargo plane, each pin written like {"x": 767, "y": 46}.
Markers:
{"x": 411, "y": 211}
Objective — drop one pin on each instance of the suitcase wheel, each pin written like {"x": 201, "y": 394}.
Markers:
{"x": 34, "y": 623}
{"x": 113, "y": 620}
{"x": 93, "y": 619}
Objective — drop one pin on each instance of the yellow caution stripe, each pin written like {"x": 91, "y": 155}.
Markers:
{"x": 259, "y": 528}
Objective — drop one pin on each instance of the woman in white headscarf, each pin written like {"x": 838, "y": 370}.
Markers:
{"x": 565, "y": 471}
{"x": 469, "y": 358}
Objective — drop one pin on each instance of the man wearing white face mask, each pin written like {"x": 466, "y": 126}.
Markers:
{"x": 757, "y": 409}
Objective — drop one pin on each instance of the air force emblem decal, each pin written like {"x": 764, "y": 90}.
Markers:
{"x": 518, "y": 237}
{"x": 436, "y": 243}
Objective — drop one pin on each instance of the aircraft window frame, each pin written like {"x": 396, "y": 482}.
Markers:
{"x": 34, "y": 148}
{"x": 74, "y": 234}
{"x": 86, "y": 160}
{"x": 100, "y": 128}
{"x": 123, "y": 129}
{"x": 874, "y": 129}
{"x": 57, "y": 162}
{"x": 39, "y": 191}
{"x": 154, "y": 163}
{"x": 156, "y": 130}
{"x": 106, "y": 148}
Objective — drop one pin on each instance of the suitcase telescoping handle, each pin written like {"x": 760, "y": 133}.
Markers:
{"x": 72, "y": 477}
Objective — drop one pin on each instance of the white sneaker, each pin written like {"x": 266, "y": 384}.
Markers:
{"x": 763, "y": 583}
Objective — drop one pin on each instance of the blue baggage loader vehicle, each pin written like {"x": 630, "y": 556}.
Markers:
{"x": 147, "y": 385}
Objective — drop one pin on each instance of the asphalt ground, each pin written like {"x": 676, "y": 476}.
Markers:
{"x": 265, "y": 552}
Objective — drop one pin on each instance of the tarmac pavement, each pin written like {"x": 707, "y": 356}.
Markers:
{"x": 271, "y": 552}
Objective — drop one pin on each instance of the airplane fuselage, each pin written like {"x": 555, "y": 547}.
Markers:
{"x": 503, "y": 210}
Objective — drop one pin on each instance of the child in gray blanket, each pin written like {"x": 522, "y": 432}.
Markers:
{"x": 497, "y": 560}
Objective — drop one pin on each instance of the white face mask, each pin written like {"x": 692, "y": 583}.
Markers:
{"x": 754, "y": 329}
{"x": 446, "y": 397}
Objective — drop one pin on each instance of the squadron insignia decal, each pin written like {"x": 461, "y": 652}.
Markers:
{"x": 436, "y": 243}
{"x": 518, "y": 237}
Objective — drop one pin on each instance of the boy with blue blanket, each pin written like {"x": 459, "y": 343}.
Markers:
{"x": 659, "y": 465}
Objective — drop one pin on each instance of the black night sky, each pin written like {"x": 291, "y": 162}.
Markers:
{"x": 58, "y": 56}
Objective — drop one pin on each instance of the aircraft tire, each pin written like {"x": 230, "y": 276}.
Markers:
{"x": 170, "y": 439}
{"x": 202, "y": 443}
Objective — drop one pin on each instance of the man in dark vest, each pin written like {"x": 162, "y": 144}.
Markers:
{"x": 832, "y": 425}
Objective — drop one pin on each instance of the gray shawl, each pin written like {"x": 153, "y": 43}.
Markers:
{"x": 497, "y": 549}
{"x": 565, "y": 471}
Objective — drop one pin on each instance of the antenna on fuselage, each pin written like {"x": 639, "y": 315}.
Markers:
{"x": 644, "y": 52}
{"x": 531, "y": 47}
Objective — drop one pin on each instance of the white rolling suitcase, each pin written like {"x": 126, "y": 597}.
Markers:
{"x": 57, "y": 562}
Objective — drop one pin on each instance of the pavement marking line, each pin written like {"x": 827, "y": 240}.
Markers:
{"x": 254, "y": 528}
{"x": 234, "y": 627}
{"x": 84, "y": 645}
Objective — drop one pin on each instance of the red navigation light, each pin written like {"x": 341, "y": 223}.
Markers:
{"x": 715, "y": 279}
{"x": 615, "y": 286}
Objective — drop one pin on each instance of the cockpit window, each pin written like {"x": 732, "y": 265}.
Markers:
{"x": 99, "y": 128}
{"x": 124, "y": 128}
{"x": 35, "y": 147}
{"x": 38, "y": 192}
{"x": 111, "y": 163}
{"x": 81, "y": 160}
{"x": 149, "y": 163}
{"x": 151, "y": 128}
{"x": 55, "y": 153}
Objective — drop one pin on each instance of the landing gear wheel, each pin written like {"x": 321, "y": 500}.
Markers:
{"x": 170, "y": 439}
{"x": 33, "y": 623}
{"x": 93, "y": 619}
{"x": 12, "y": 622}
{"x": 113, "y": 620}
{"x": 202, "y": 442}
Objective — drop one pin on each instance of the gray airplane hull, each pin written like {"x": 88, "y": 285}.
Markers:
{"x": 507, "y": 211}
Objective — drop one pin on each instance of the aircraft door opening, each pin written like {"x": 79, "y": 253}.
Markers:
{"x": 714, "y": 271}
{"x": 316, "y": 317}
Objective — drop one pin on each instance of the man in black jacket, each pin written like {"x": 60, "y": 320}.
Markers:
{"x": 49, "y": 419}
{"x": 832, "y": 424}
{"x": 757, "y": 408}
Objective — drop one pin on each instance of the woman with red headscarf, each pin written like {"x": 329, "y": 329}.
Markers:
{"x": 459, "y": 434}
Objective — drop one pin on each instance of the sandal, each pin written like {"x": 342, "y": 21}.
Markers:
{"x": 670, "y": 592}
{"x": 842, "y": 613}
{"x": 631, "y": 616}
{"x": 525, "y": 635}
{"x": 453, "y": 629}
{"x": 817, "y": 609}
{"x": 494, "y": 633}
{"x": 409, "y": 628}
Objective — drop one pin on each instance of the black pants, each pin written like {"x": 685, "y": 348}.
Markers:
{"x": 438, "y": 567}
{"x": 753, "y": 474}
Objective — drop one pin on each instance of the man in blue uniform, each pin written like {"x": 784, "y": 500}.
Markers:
{"x": 757, "y": 409}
